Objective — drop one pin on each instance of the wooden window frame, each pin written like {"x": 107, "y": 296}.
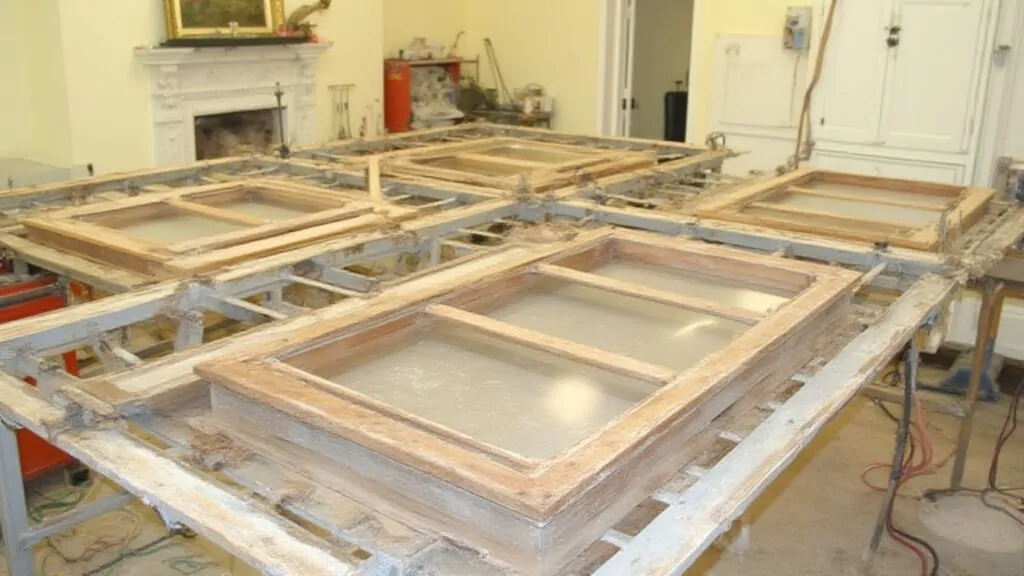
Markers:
{"x": 965, "y": 207}
{"x": 535, "y": 176}
{"x": 80, "y": 230}
{"x": 536, "y": 513}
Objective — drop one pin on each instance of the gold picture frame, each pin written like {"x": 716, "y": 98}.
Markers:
{"x": 211, "y": 17}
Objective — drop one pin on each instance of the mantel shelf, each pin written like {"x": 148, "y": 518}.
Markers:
{"x": 162, "y": 56}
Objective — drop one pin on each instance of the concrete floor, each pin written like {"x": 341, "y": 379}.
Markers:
{"x": 816, "y": 519}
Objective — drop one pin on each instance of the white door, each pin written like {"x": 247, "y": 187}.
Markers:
{"x": 852, "y": 83}
{"x": 934, "y": 74}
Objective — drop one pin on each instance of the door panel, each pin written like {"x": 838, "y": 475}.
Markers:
{"x": 889, "y": 167}
{"x": 853, "y": 77}
{"x": 934, "y": 74}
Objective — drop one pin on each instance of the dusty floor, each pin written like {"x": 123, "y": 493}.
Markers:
{"x": 816, "y": 519}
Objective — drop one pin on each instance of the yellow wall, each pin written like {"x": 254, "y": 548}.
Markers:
{"x": 90, "y": 96}
{"x": 439, "y": 20}
{"x": 108, "y": 90}
{"x": 554, "y": 44}
{"x": 728, "y": 17}
{"x": 44, "y": 60}
{"x": 356, "y": 58}
{"x": 15, "y": 96}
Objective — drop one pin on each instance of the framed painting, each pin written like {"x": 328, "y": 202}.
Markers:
{"x": 210, "y": 17}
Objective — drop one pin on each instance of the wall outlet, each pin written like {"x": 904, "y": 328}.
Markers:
{"x": 797, "y": 33}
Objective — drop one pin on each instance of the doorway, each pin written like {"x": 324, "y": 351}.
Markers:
{"x": 647, "y": 54}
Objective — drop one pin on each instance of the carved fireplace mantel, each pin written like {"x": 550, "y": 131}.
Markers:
{"x": 191, "y": 82}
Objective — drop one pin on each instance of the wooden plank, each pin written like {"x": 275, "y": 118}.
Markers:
{"x": 270, "y": 246}
{"x": 575, "y": 351}
{"x": 258, "y": 538}
{"x": 99, "y": 244}
{"x": 741, "y": 196}
{"x": 643, "y": 292}
{"x": 101, "y": 276}
{"x": 681, "y": 533}
{"x": 327, "y": 287}
{"x": 730, "y": 264}
{"x": 268, "y": 230}
{"x": 373, "y": 179}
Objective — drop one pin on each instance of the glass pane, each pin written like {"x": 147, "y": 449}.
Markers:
{"x": 869, "y": 194}
{"x": 533, "y": 154}
{"x": 473, "y": 166}
{"x": 655, "y": 333}
{"x": 180, "y": 227}
{"x": 267, "y": 210}
{"x": 675, "y": 280}
{"x": 524, "y": 401}
{"x": 913, "y": 217}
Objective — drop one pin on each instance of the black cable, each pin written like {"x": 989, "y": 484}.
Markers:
{"x": 924, "y": 544}
{"x": 885, "y": 409}
{"x": 129, "y": 553}
{"x": 998, "y": 508}
{"x": 1004, "y": 436}
{"x": 904, "y": 431}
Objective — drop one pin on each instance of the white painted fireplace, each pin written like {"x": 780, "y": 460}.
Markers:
{"x": 187, "y": 83}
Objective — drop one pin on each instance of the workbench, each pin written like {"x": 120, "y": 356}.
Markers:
{"x": 140, "y": 423}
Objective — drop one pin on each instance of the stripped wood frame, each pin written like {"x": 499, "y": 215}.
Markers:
{"x": 955, "y": 208}
{"x": 534, "y": 514}
{"x": 512, "y": 164}
{"x": 94, "y": 231}
{"x": 356, "y": 151}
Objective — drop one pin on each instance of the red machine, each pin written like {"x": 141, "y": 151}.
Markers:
{"x": 23, "y": 300}
{"x": 398, "y": 88}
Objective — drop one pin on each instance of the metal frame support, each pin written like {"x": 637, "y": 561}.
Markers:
{"x": 993, "y": 296}
{"x": 190, "y": 330}
{"x": 14, "y": 512}
{"x": 911, "y": 361}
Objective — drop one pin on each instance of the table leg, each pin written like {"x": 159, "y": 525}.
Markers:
{"x": 14, "y": 514}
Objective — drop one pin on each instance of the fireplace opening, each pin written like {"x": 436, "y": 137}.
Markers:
{"x": 236, "y": 133}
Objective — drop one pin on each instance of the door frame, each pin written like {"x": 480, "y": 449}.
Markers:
{"x": 613, "y": 65}
{"x": 998, "y": 104}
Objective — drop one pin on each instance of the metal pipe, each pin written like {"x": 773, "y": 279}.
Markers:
{"x": 903, "y": 433}
{"x": 14, "y": 514}
{"x": 992, "y": 300}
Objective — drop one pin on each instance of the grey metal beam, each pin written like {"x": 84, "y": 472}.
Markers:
{"x": 348, "y": 280}
{"x": 266, "y": 542}
{"x": 327, "y": 287}
{"x": 82, "y": 323}
{"x": 243, "y": 310}
{"x": 75, "y": 518}
{"x": 13, "y": 511}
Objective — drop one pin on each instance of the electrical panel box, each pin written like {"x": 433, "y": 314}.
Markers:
{"x": 797, "y": 34}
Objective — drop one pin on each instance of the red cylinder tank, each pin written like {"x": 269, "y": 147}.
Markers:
{"x": 397, "y": 95}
